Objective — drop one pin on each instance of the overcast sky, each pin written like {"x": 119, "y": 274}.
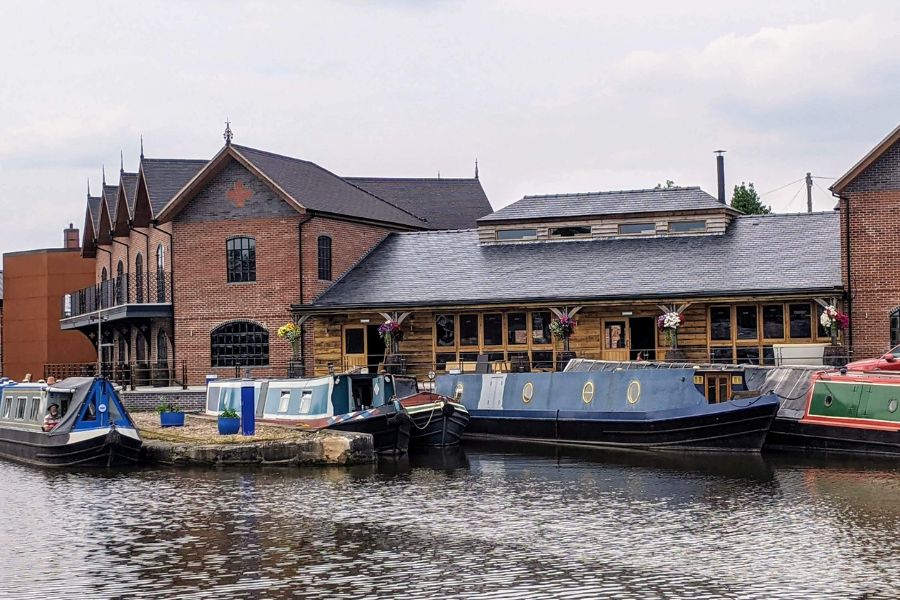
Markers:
{"x": 550, "y": 96}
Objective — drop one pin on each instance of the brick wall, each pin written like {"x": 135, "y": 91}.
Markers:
{"x": 874, "y": 209}
{"x": 188, "y": 401}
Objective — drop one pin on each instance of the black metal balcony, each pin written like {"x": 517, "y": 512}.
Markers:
{"x": 149, "y": 291}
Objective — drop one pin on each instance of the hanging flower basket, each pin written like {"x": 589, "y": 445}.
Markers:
{"x": 669, "y": 323}
{"x": 391, "y": 334}
{"x": 292, "y": 334}
{"x": 834, "y": 321}
{"x": 562, "y": 329}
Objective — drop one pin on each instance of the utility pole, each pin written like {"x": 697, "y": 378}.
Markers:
{"x": 809, "y": 192}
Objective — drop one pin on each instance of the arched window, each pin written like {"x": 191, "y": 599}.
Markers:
{"x": 139, "y": 278}
{"x": 240, "y": 254}
{"x": 895, "y": 327}
{"x": 104, "y": 275}
{"x": 324, "y": 258}
{"x": 160, "y": 273}
{"x": 239, "y": 343}
{"x": 120, "y": 283}
{"x": 140, "y": 347}
{"x": 123, "y": 349}
{"x": 162, "y": 348}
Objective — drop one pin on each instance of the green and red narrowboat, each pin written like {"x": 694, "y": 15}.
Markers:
{"x": 842, "y": 411}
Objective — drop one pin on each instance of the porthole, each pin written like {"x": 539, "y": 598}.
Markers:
{"x": 633, "y": 393}
{"x": 828, "y": 401}
{"x": 587, "y": 392}
{"x": 527, "y": 392}
{"x": 892, "y": 405}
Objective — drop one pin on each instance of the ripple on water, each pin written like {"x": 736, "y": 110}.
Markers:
{"x": 497, "y": 523}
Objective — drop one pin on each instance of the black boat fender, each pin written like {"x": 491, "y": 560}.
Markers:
{"x": 448, "y": 409}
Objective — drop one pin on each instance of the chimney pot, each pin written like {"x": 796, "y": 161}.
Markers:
{"x": 720, "y": 173}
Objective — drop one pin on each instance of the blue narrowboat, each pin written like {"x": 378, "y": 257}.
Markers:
{"x": 599, "y": 403}
{"x": 361, "y": 403}
{"x": 92, "y": 427}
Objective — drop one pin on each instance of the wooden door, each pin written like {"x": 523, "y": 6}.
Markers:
{"x": 615, "y": 339}
{"x": 355, "y": 352}
{"x": 718, "y": 388}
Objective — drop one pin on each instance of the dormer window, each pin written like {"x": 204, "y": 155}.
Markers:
{"x": 506, "y": 235}
{"x": 569, "y": 232}
{"x": 637, "y": 228}
{"x": 687, "y": 226}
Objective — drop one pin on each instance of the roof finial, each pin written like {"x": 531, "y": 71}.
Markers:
{"x": 142, "y": 146}
{"x": 121, "y": 162}
{"x": 89, "y": 186}
{"x": 476, "y": 167}
{"x": 439, "y": 173}
{"x": 228, "y": 134}
{"x": 103, "y": 169}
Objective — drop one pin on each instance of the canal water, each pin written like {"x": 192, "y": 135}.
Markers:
{"x": 493, "y": 522}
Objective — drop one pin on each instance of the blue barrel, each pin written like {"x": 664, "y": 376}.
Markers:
{"x": 248, "y": 408}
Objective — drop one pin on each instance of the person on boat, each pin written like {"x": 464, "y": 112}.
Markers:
{"x": 51, "y": 420}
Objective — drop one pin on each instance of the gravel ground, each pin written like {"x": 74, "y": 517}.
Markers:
{"x": 204, "y": 430}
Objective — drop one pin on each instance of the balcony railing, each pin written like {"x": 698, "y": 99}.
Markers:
{"x": 152, "y": 288}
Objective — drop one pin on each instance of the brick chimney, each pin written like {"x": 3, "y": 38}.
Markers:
{"x": 70, "y": 237}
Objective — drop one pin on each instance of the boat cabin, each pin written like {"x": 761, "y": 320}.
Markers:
{"x": 326, "y": 396}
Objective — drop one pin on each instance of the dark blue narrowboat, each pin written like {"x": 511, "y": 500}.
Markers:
{"x": 597, "y": 403}
{"x": 93, "y": 428}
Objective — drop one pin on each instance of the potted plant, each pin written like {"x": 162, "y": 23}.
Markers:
{"x": 834, "y": 321}
{"x": 229, "y": 422}
{"x": 668, "y": 323}
{"x": 170, "y": 415}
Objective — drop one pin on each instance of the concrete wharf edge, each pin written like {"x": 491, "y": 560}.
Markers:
{"x": 309, "y": 448}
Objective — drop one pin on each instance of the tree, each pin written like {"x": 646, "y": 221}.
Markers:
{"x": 746, "y": 200}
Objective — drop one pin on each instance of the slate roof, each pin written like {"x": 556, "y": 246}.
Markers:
{"x": 110, "y": 197}
{"x": 166, "y": 176}
{"x": 321, "y": 190}
{"x": 94, "y": 208}
{"x": 757, "y": 254}
{"x": 129, "y": 186}
{"x": 606, "y": 203}
{"x": 444, "y": 203}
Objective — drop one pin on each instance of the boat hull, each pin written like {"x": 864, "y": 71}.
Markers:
{"x": 795, "y": 435}
{"x": 436, "y": 421}
{"x": 733, "y": 428}
{"x": 109, "y": 447}
{"x": 390, "y": 431}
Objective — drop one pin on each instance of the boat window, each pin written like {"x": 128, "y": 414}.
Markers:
{"x": 800, "y": 320}
{"x": 746, "y": 318}
{"x": 468, "y": 330}
{"x": 305, "y": 401}
{"x": 7, "y": 406}
{"x": 493, "y": 329}
{"x": 571, "y": 231}
{"x": 636, "y": 228}
{"x": 445, "y": 330}
{"x": 20, "y": 407}
{"x": 895, "y": 327}
{"x": 516, "y": 234}
{"x": 516, "y": 328}
{"x": 90, "y": 412}
{"x": 35, "y": 412}
{"x": 720, "y": 323}
{"x": 773, "y": 321}
{"x": 284, "y": 401}
{"x": 540, "y": 327}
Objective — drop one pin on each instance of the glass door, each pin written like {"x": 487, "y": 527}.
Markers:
{"x": 615, "y": 340}
{"x": 718, "y": 388}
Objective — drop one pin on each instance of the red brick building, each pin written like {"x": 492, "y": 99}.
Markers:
{"x": 870, "y": 235}
{"x": 198, "y": 262}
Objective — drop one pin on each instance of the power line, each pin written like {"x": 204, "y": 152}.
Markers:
{"x": 782, "y": 187}
{"x": 797, "y": 193}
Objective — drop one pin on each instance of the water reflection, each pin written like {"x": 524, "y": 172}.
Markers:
{"x": 505, "y": 521}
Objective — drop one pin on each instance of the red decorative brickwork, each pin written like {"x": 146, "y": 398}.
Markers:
{"x": 239, "y": 194}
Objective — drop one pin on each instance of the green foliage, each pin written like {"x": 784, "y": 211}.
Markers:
{"x": 167, "y": 407}
{"x": 229, "y": 413}
{"x": 669, "y": 183}
{"x": 746, "y": 200}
